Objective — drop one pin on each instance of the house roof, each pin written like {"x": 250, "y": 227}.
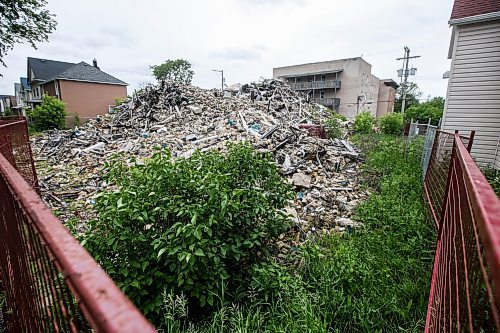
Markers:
{"x": 24, "y": 83}
{"x": 468, "y": 8}
{"x": 87, "y": 73}
{"x": 44, "y": 69}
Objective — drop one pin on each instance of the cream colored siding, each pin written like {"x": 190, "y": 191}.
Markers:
{"x": 473, "y": 100}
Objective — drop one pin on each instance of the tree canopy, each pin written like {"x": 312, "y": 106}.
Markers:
{"x": 412, "y": 96}
{"x": 432, "y": 109}
{"x": 23, "y": 21}
{"x": 178, "y": 70}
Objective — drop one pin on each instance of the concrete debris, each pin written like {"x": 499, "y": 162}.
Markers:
{"x": 300, "y": 179}
{"x": 183, "y": 118}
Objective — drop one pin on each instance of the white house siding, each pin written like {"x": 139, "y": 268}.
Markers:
{"x": 473, "y": 99}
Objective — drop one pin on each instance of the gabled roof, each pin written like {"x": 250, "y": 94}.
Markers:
{"x": 468, "y": 8}
{"x": 85, "y": 72}
{"x": 24, "y": 83}
{"x": 44, "y": 69}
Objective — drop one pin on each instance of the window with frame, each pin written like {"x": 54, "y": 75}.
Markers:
{"x": 321, "y": 95}
{"x": 323, "y": 78}
{"x": 37, "y": 93}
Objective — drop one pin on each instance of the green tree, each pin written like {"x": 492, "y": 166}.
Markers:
{"x": 23, "y": 21}
{"x": 178, "y": 70}
{"x": 412, "y": 96}
{"x": 432, "y": 109}
{"x": 51, "y": 114}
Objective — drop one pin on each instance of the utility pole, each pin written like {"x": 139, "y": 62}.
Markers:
{"x": 221, "y": 71}
{"x": 405, "y": 72}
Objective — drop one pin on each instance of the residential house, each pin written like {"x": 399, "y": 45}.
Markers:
{"x": 6, "y": 102}
{"x": 21, "y": 94}
{"x": 473, "y": 96}
{"x": 86, "y": 90}
{"x": 346, "y": 85}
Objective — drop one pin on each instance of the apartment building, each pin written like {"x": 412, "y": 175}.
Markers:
{"x": 346, "y": 85}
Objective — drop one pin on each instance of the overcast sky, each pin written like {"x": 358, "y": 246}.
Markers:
{"x": 246, "y": 38}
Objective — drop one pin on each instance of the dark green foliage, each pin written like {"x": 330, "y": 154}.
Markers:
{"x": 363, "y": 123}
{"x": 493, "y": 177}
{"x": 23, "y": 21}
{"x": 432, "y": 109}
{"x": 391, "y": 123}
{"x": 374, "y": 280}
{"x": 178, "y": 70}
{"x": 412, "y": 96}
{"x": 193, "y": 226}
{"x": 333, "y": 126}
{"x": 51, "y": 114}
{"x": 8, "y": 112}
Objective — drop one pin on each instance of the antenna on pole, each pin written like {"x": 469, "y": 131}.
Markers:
{"x": 404, "y": 73}
{"x": 221, "y": 71}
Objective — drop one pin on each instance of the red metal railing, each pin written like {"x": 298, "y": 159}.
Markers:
{"x": 15, "y": 146}
{"x": 465, "y": 285}
{"x": 51, "y": 283}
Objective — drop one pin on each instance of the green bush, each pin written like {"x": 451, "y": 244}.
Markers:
{"x": 493, "y": 177}
{"x": 51, "y": 114}
{"x": 363, "y": 123}
{"x": 333, "y": 126}
{"x": 432, "y": 109}
{"x": 391, "y": 123}
{"x": 194, "y": 226}
{"x": 8, "y": 112}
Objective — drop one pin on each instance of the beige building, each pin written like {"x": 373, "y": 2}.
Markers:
{"x": 85, "y": 89}
{"x": 346, "y": 85}
{"x": 473, "y": 96}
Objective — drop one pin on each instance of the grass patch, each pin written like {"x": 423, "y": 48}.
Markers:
{"x": 374, "y": 280}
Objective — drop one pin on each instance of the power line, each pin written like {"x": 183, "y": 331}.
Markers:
{"x": 404, "y": 73}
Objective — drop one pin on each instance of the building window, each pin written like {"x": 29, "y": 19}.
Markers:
{"x": 37, "y": 93}
{"x": 310, "y": 79}
{"x": 323, "y": 78}
{"x": 321, "y": 95}
{"x": 298, "y": 79}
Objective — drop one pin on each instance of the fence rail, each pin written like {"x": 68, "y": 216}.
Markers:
{"x": 51, "y": 283}
{"x": 465, "y": 285}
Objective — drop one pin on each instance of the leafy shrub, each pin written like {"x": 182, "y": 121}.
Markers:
{"x": 391, "y": 123}
{"x": 8, "y": 112}
{"x": 120, "y": 100}
{"x": 363, "y": 123}
{"x": 493, "y": 177}
{"x": 432, "y": 109}
{"x": 76, "y": 121}
{"x": 51, "y": 114}
{"x": 194, "y": 226}
{"x": 333, "y": 126}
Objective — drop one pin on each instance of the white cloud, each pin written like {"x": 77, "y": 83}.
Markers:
{"x": 246, "y": 38}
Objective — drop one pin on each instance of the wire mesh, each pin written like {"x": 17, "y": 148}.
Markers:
{"x": 465, "y": 285}
{"x": 15, "y": 146}
{"x": 51, "y": 283}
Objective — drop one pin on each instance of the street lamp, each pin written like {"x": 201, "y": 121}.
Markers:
{"x": 221, "y": 71}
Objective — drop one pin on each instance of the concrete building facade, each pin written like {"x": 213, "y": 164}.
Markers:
{"x": 346, "y": 85}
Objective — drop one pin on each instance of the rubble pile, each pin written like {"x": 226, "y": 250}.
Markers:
{"x": 184, "y": 118}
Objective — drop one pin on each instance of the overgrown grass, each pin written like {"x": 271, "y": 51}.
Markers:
{"x": 374, "y": 280}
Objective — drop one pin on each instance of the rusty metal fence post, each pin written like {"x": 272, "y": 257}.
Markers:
{"x": 465, "y": 285}
{"x": 51, "y": 283}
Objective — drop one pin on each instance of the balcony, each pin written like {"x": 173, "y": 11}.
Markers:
{"x": 328, "y": 102}
{"x": 328, "y": 84}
